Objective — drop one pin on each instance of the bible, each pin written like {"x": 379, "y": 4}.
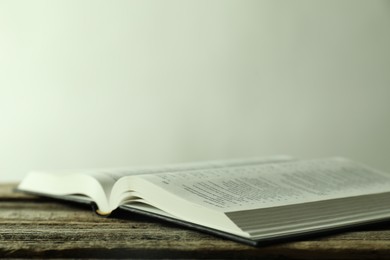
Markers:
{"x": 253, "y": 200}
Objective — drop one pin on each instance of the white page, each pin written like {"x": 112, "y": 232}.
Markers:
{"x": 268, "y": 185}
{"x": 108, "y": 177}
{"x": 118, "y": 173}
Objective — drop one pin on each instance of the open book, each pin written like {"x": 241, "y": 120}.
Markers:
{"x": 248, "y": 200}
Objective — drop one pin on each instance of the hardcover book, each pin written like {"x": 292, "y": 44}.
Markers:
{"x": 251, "y": 200}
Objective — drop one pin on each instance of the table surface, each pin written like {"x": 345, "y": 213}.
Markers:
{"x": 45, "y": 228}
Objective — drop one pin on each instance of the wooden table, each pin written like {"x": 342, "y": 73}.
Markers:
{"x": 44, "y": 228}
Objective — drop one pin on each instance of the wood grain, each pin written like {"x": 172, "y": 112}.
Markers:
{"x": 44, "y": 228}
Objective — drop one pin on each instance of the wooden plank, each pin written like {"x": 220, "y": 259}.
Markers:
{"x": 7, "y": 193}
{"x": 44, "y": 228}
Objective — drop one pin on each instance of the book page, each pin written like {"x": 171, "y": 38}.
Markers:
{"x": 116, "y": 174}
{"x": 269, "y": 185}
{"x": 108, "y": 177}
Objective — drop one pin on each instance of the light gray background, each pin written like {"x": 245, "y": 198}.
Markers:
{"x": 116, "y": 83}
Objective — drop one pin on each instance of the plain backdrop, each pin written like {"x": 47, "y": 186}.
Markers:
{"x": 118, "y": 83}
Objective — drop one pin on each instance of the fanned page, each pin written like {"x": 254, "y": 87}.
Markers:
{"x": 271, "y": 185}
